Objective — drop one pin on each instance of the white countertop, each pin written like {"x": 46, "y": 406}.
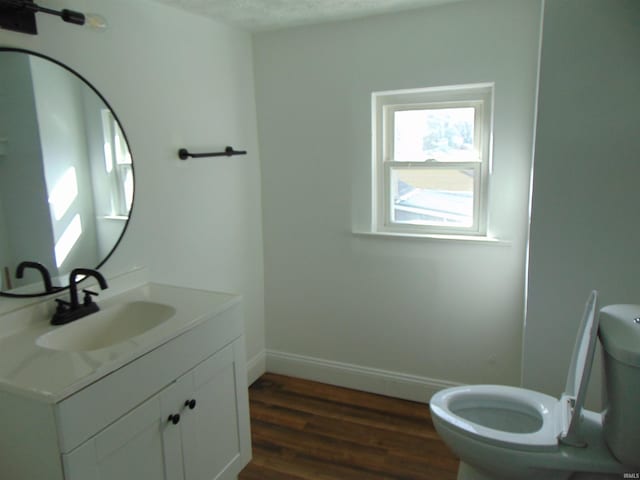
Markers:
{"x": 51, "y": 375}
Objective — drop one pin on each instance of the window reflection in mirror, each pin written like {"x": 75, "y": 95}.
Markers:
{"x": 66, "y": 175}
{"x": 117, "y": 164}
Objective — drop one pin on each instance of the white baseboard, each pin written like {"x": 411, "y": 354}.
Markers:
{"x": 382, "y": 382}
{"x": 256, "y": 366}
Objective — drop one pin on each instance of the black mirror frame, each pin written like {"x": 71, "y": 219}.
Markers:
{"x": 58, "y": 289}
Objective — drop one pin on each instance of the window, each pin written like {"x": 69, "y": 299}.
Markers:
{"x": 432, "y": 160}
{"x": 117, "y": 165}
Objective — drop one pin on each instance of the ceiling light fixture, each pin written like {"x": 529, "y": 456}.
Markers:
{"x": 20, "y": 16}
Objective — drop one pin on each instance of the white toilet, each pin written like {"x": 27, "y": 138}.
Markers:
{"x": 507, "y": 433}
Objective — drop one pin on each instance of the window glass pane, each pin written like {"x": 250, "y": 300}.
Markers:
{"x": 442, "y": 134}
{"x": 440, "y": 196}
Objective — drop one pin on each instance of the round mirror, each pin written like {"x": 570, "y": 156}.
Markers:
{"x": 66, "y": 174}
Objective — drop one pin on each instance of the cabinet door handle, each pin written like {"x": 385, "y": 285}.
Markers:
{"x": 174, "y": 418}
{"x": 190, "y": 403}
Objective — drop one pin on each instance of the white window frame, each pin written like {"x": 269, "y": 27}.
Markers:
{"x": 384, "y": 105}
{"x": 118, "y": 165}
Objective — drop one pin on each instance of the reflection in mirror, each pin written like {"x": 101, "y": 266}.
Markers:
{"x": 66, "y": 175}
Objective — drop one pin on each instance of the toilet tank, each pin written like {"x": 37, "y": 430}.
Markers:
{"x": 620, "y": 337}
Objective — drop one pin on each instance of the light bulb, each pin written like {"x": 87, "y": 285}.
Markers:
{"x": 95, "y": 21}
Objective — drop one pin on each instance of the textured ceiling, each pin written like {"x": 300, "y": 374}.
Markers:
{"x": 259, "y": 15}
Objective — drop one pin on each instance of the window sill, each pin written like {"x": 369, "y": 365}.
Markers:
{"x": 119, "y": 218}
{"x": 471, "y": 239}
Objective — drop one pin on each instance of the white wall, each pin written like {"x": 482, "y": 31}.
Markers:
{"x": 64, "y": 146}
{"x": 378, "y": 313}
{"x": 22, "y": 178}
{"x": 584, "y": 229}
{"x": 176, "y": 80}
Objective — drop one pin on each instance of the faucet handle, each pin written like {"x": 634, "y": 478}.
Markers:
{"x": 87, "y": 296}
{"x": 62, "y": 305}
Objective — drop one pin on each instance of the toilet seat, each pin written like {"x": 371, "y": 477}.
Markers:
{"x": 559, "y": 419}
{"x": 545, "y": 407}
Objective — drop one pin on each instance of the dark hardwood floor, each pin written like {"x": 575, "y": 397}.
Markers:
{"x": 304, "y": 430}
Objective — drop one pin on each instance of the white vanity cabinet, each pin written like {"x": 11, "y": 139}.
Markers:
{"x": 190, "y": 430}
{"x": 125, "y": 424}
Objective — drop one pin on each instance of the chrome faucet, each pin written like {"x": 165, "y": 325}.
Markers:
{"x": 72, "y": 310}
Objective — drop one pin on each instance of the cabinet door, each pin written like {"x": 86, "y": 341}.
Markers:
{"x": 142, "y": 445}
{"x": 214, "y": 432}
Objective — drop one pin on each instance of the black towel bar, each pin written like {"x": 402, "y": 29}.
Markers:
{"x": 183, "y": 153}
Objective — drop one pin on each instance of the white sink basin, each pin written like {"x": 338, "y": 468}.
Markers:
{"x": 107, "y": 327}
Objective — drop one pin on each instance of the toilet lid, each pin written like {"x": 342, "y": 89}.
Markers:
{"x": 580, "y": 369}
